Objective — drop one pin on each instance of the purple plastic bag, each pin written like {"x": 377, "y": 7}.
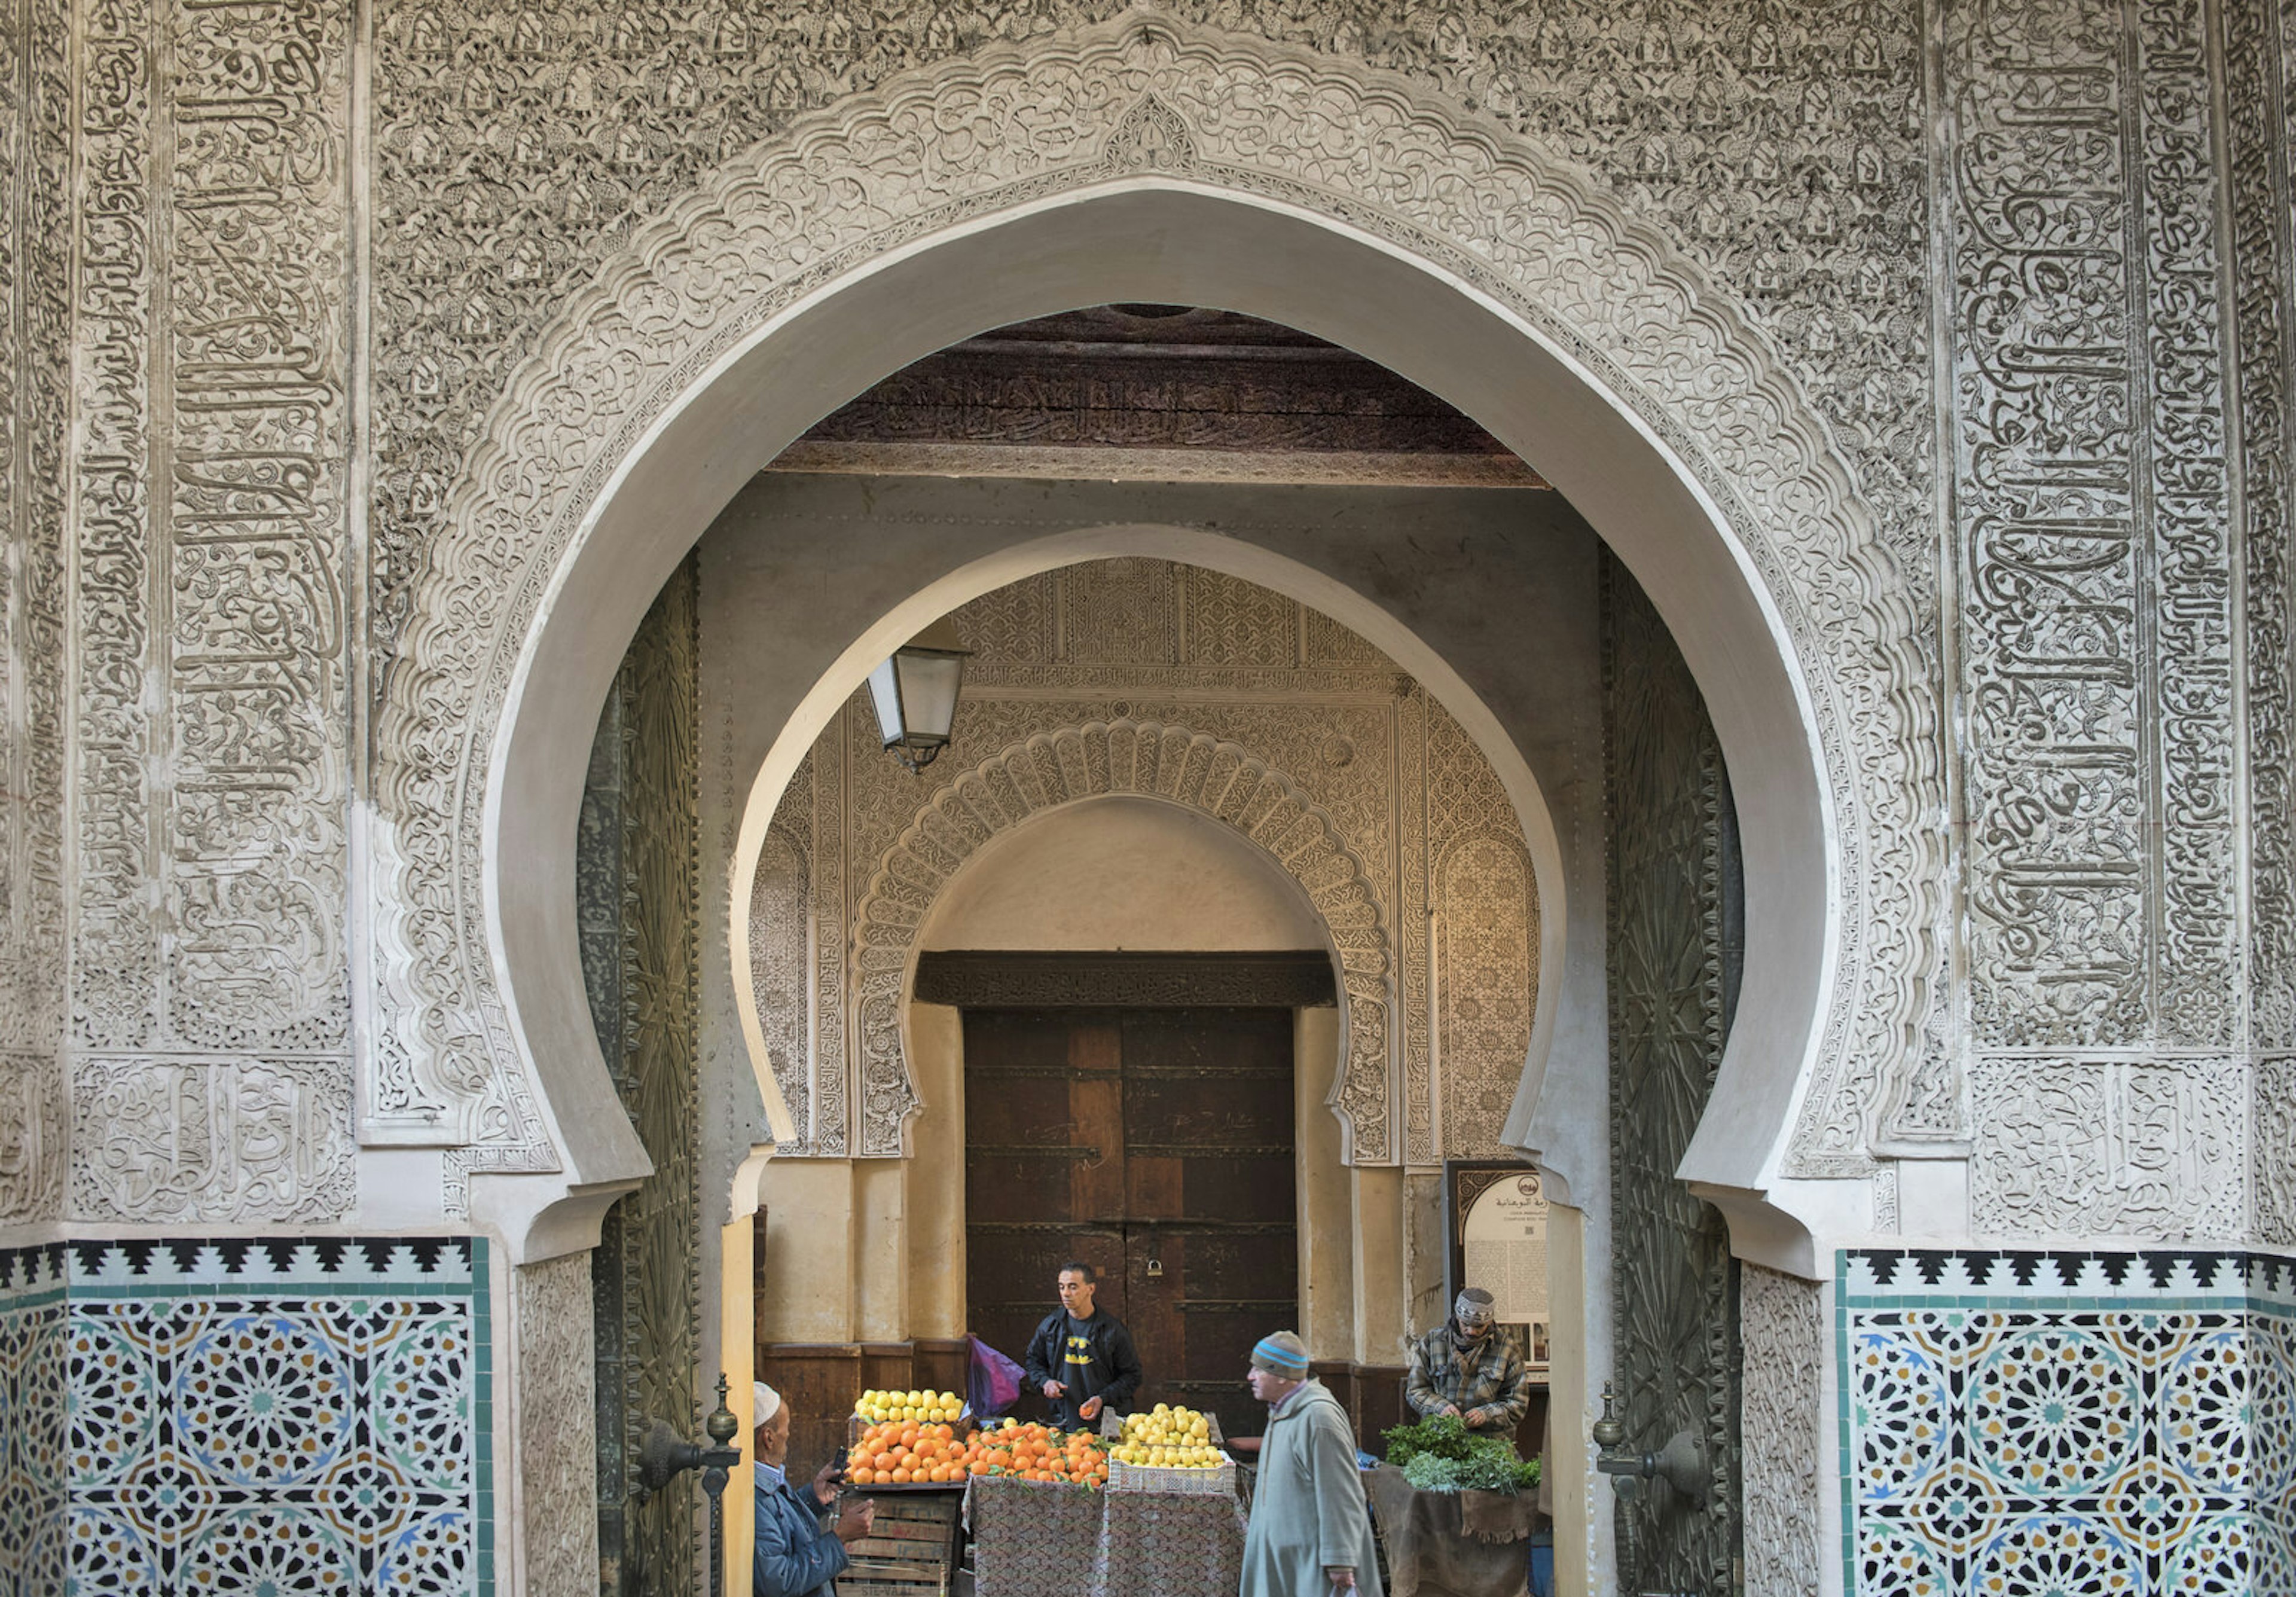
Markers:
{"x": 992, "y": 1382}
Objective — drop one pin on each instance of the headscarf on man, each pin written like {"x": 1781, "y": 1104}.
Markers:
{"x": 1282, "y": 1352}
{"x": 1471, "y": 1314}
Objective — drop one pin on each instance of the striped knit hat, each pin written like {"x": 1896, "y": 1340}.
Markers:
{"x": 1281, "y": 1354}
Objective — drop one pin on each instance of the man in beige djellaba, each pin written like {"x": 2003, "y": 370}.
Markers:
{"x": 1310, "y": 1533}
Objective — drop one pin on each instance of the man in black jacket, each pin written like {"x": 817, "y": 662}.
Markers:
{"x": 1080, "y": 1359}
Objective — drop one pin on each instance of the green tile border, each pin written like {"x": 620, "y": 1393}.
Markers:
{"x": 2242, "y": 1300}
{"x": 452, "y": 1286}
{"x": 482, "y": 1408}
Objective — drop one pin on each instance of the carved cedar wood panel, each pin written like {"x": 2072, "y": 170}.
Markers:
{"x": 577, "y": 97}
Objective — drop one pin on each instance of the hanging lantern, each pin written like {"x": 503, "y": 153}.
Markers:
{"x": 916, "y": 694}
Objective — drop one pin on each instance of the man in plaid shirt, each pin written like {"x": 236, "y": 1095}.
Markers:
{"x": 1467, "y": 1367}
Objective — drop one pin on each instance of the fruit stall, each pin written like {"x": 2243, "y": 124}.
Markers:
{"x": 1146, "y": 1504}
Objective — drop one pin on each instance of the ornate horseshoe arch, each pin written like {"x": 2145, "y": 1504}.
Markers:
{"x": 1192, "y": 769}
{"x": 1145, "y": 103}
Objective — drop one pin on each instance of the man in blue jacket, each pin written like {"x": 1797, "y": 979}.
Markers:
{"x": 795, "y": 1557}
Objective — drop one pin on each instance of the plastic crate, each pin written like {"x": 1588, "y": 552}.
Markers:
{"x": 1219, "y": 1480}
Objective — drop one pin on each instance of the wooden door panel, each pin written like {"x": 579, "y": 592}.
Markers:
{"x": 1156, "y": 1146}
{"x": 1096, "y": 1121}
{"x": 1259, "y": 1185}
{"x": 1043, "y": 1112}
{"x": 1228, "y": 1261}
{"x": 1156, "y": 1303}
{"x": 1208, "y": 1093}
{"x": 1155, "y": 1186}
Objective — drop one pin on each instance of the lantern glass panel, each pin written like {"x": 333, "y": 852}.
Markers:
{"x": 928, "y": 682}
{"x": 885, "y": 693}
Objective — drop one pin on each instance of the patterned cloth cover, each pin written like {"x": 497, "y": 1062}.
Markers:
{"x": 1032, "y": 1537}
{"x": 1172, "y": 1542}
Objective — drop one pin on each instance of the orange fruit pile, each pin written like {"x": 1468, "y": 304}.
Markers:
{"x": 900, "y": 1453}
{"x": 1034, "y": 1452}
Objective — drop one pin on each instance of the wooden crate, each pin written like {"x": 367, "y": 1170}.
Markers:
{"x": 911, "y": 1548}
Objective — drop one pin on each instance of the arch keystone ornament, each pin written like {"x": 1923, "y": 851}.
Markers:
{"x": 1195, "y": 770}
{"x": 1055, "y": 127}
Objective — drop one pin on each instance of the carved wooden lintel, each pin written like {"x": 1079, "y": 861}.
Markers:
{"x": 1053, "y": 980}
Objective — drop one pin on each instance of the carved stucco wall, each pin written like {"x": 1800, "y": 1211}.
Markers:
{"x": 35, "y": 142}
{"x": 212, "y": 615}
{"x": 557, "y": 1425}
{"x": 2256, "y": 135}
{"x": 1074, "y": 110}
{"x": 1985, "y": 353}
{"x": 174, "y": 464}
{"x": 1799, "y": 166}
{"x": 1145, "y": 676}
{"x": 1812, "y": 205}
{"x": 1781, "y": 1328}
{"x": 2093, "y": 506}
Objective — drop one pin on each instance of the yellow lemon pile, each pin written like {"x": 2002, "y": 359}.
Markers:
{"x": 924, "y": 1408}
{"x": 1166, "y": 1438}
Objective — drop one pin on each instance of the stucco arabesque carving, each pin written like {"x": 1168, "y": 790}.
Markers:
{"x": 558, "y": 1423}
{"x": 1782, "y": 1324}
{"x": 1194, "y": 769}
{"x": 1064, "y": 114}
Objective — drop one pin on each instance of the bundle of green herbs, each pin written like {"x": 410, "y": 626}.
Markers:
{"x": 1441, "y": 1454}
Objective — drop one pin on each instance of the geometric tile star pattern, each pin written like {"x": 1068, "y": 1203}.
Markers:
{"x": 255, "y": 1416}
{"x": 2089, "y": 1424}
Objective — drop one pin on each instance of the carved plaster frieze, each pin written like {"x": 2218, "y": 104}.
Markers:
{"x": 558, "y": 1424}
{"x": 34, "y": 1136}
{"x": 1477, "y": 929}
{"x": 35, "y": 111}
{"x": 1781, "y": 1328}
{"x": 2094, "y": 509}
{"x": 2087, "y": 1148}
{"x": 1783, "y": 148}
{"x": 2257, "y": 136}
{"x": 202, "y": 500}
{"x": 1216, "y": 778}
{"x": 2272, "y": 1128}
{"x": 212, "y": 563}
{"x": 158, "y": 1141}
{"x": 1520, "y": 223}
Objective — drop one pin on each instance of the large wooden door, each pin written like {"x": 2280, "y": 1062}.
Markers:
{"x": 1674, "y": 936}
{"x": 1156, "y": 1146}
